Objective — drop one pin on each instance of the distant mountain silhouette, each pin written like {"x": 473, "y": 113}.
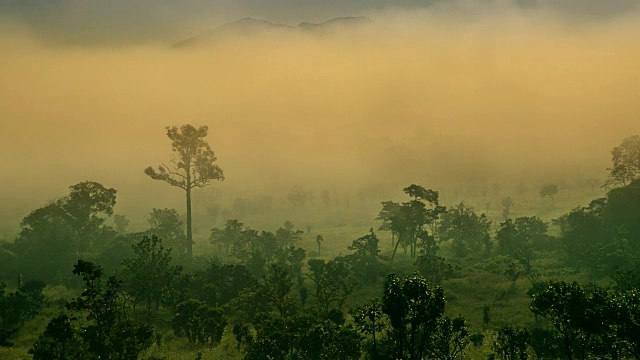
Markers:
{"x": 248, "y": 27}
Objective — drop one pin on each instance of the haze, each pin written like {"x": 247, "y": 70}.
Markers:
{"x": 472, "y": 92}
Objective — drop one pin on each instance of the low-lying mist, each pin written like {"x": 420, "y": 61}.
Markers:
{"x": 430, "y": 97}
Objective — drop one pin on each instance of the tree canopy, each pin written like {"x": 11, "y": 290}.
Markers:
{"x": 193, "y": 166}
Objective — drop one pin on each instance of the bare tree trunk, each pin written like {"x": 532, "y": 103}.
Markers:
{"x": 189, "y": 235}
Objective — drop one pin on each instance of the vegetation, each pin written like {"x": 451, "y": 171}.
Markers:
{"x": 466, "y": 285}
{"x": 194, "y": 166}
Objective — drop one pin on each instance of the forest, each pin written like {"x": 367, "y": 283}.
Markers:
{"x": 423, "y": 281}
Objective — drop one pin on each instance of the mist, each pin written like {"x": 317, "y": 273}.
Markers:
{"x": 470, "y": 93}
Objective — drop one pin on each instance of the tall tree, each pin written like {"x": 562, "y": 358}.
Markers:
{"x": 194, "y": 166}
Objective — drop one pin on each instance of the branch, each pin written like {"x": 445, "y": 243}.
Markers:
{"x": 164, "y": 177}
{"x": 174, "y": 173}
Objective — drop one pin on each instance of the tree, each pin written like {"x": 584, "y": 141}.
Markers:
{"x": 626, "y": 162}
{"x": 167, "y": 225}
{"x": 368, "y": 319}
{"x": 121, "y": 223}
{"x": 365, "y": 260}
{"x": 389, "y": 211}
{"x": 511, "y": 343}
{"x": 230, "y": 238}
{"x": 194, "y": 167}
{"x": 21, "y": 305}
{"x": 434, "y": 268}
{"x": 275, "y": 290}
{"x": 96, "y": 325}
{"x": 468, "y": 231}
{"x": 585, "y": 317}
{"x": 450, "y": 339}
{"x": 319, "y": 241}
{"x": 413, "y": 308}
{"x": 198, "y": 322}
{"x": 506, "y": 203}
{"x": 412, "y": 218}
{"x": 549, "y": 190}
{"x": 147, "y": 275}
{"x": 605, "y": 234}
{"x": 519, "y": 238}
{"x": 334, "y": 282}
{"x": 67, "y": 227}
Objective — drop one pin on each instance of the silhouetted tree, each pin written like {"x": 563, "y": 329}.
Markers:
{"x": 198, "y": 322}
{"x": 550, "y": 190}
{"x": 147, "y": 274}
{"x": 506, "y": 203}
{"x": 519, "y": 238}
{"x": 511, "y": 344}
{"x": 319, "y": 241}
{"x": 365, "y": 261}
{"x": 194, "y": 166}
{"x": 626, "y": 162}
{"x": 167, "y": 225}
{"x": 333, "y": 281}
{"x": 412, "y": 219}
{"x": 413, "y": 308}
{"x": 67, "y": 227}
{"x": 120, "y": 223}
{"x": 390, "y": 210}
{"x": 96, "y": 326}
{"x": 468, "y": 231}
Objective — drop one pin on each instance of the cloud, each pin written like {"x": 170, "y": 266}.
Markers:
{"x": 126, "y": 22}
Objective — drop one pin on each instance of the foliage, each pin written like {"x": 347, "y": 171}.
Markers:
{"x": 366, "y": 262}
{"x": 603, "y": 235}
{"x": 468, "y": 231}
{"x": 121, "y": 223}
{"x": 626, "y": 162}
{"x": 413, "y": 309}
{"x": 506, "y": 203}
{"x": 275, "y": 289}
{"x": 21, "y": 305}
{"x": 230, "y": 236}
{"x": 303, "y": 336}
{"x": 434, "y": 268}
{"x": 519, "y": 238}
{"x": 219, "y": 284}
{"x": 549, "y": 190}
{"x": 410, "y": 220}
{"x": 450, "y": 339}
{"x": 147, "y": 274}
{"x": 167, "y": 225}
{"x": 67, "y": 227}
{"x": 334, "y": 282}
{"x": 194, "y": 167}
{"x": 585, "y": 318}
{"x": 511, "y": 344}
{"x": 198, "y": 322}
{"x": 96, "y": 326}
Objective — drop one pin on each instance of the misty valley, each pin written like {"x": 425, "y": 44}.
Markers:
{"x": 280, "y": 181}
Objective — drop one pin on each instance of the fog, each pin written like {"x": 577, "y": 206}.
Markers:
{"x": 442, "y": 96}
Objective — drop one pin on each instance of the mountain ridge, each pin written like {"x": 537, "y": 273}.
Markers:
{"x": 248, "y": 26}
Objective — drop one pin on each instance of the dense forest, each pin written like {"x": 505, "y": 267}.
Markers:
{"x": 424, "y": 280}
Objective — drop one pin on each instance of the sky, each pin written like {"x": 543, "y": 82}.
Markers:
{"x": 436, "y": 94}
{"x": 99, "y": 22}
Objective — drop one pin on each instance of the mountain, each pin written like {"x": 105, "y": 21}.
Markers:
{"x": 250, "y": 27}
